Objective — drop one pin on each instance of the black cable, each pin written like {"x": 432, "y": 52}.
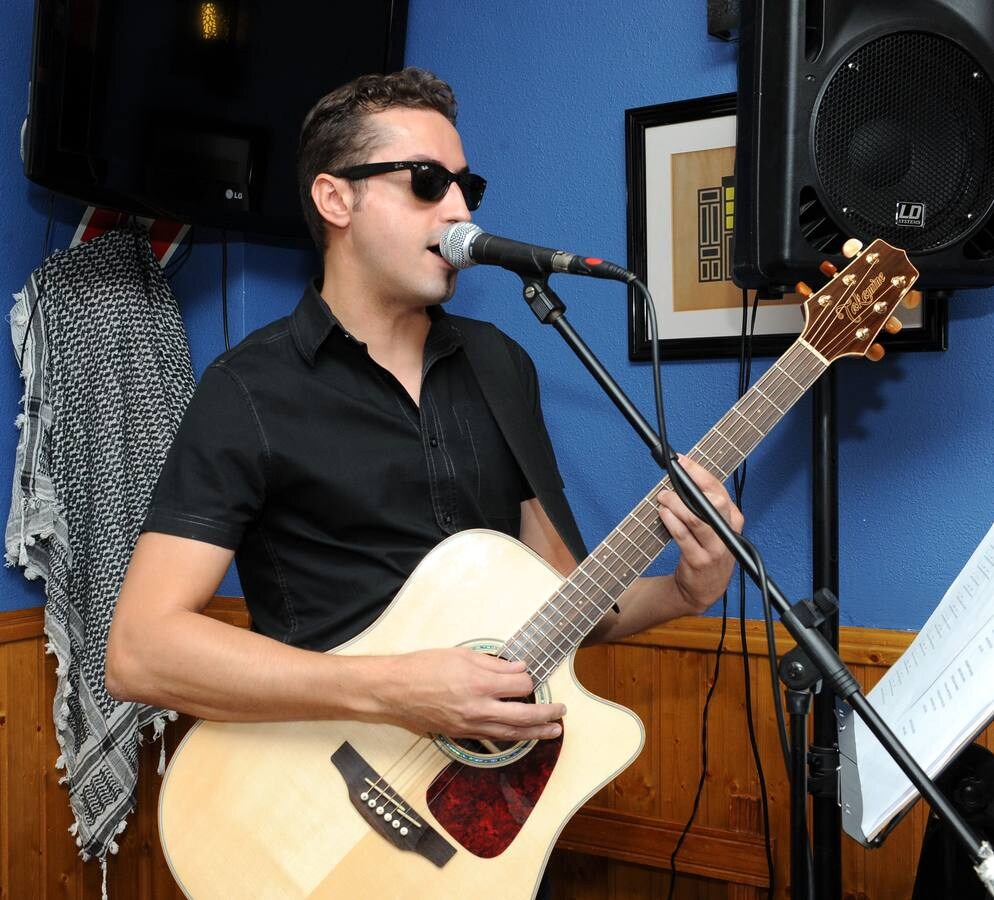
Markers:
{"x": 672, "y": 461}
{"x": 224, "y": 287}
{"x": 704, "y": 746}
{"x": 738, "y": 482}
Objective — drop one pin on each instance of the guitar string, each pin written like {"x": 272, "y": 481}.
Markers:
{"x": 751, "y": 399}
{"x": 756, "y": 397}
{"x": 730, "y": 437}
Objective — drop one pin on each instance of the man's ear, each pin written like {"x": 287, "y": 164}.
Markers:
{"x": 333, "y": 198}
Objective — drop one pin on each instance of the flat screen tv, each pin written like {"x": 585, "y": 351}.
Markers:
{"x": 190, "y": 110}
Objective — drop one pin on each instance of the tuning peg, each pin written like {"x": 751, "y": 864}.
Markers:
{"x": 875, "y": 353}
{"x": 893, "y": 325}
{"x": 803, "y": 289}
{"x": 851, "y": 247}
{"x": 912, "y": 300}
{"x": 827, "y": 268}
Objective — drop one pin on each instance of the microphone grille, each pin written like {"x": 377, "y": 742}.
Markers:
{"x": 455, "y": 243}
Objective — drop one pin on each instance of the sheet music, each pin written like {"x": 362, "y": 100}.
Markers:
{"x": 938, "y": 696}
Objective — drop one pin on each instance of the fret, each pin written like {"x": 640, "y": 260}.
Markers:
{"x": 624, "y": 562}
{"x": 556, "y": 628}
{"x": 741, "y": 453}
{"x": 748, "y": 421}
{"x": 523, "y": 653}
{"x": 648, "y": 557}
{"x": 785, "y": 372}
{"x": 763, "y": 394}
{"x": 592, "y": 558}
{"x": 700, "y": 449}
{"x": 579, "y": 609}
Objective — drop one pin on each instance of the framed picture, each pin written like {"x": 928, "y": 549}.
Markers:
{"x": 681, "y": 210}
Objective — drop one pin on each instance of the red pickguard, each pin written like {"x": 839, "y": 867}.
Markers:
{"x": 484, "y": 809}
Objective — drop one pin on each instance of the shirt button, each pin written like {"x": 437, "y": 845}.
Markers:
{"x": 433, "y": 442}
{"x": 447, "y": 520}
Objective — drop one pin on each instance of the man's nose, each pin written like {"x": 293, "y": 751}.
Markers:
{"x": 454, "y": 206}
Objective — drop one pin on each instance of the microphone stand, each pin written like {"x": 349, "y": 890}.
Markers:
{"x": 814, "y": 656}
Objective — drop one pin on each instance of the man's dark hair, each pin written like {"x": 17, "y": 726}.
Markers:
{"x": 337, "y": 133}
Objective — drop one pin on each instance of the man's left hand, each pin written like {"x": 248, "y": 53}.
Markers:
{"x": 705, "y": 565}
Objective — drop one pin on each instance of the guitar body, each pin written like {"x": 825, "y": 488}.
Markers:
{"x": 260, "y": 810}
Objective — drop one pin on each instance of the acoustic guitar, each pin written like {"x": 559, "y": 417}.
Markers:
{"x": 350, "y": 810}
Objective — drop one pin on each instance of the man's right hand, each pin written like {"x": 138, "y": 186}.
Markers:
{"x": 461, "y": 693}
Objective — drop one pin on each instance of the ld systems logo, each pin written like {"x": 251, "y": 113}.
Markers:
{"x": 911, "y": 215}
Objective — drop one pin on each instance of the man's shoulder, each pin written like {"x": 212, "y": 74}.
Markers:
{"x": 265, "y": 346}
{"x": 486, "y": 334}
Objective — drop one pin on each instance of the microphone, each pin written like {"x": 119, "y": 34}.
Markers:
{"x": 465, "y": 244}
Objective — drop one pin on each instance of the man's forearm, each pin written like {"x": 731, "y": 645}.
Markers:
{"x": 648, "y": 601}
{"x": 196, "y": 665}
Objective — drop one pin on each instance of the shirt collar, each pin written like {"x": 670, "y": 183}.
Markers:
{"x": 312, "y": 322}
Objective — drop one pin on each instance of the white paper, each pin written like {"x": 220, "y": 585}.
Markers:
{"x": 938, "y": 696}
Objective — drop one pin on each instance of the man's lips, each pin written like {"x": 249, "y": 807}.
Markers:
{"x": 435, "y": 249}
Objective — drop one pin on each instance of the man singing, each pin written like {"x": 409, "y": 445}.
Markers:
{"x": 330, "y": 451}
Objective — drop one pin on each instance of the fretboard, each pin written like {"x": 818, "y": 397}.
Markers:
{"x": 563, "y": 621}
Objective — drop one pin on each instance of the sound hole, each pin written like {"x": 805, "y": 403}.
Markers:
{"x": 482, "y": 748}
{"x": 491, "y": 753}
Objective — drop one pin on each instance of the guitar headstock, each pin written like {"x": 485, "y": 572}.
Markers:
{"x": 846, "y": 315}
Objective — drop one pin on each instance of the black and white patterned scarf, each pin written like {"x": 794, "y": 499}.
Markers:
{"x": 107, "y": 377}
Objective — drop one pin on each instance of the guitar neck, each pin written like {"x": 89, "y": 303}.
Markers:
{"x": 560, "y": 625}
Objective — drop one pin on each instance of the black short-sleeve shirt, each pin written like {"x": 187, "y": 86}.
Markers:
{"x": 312, "y": 462}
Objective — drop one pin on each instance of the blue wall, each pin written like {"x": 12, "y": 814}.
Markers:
{"x": 543, "y": 94}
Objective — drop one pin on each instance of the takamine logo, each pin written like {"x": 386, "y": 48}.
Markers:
{"x": 911, "y": 215}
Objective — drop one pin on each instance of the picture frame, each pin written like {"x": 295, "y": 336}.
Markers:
{"x": 680, "y": 160}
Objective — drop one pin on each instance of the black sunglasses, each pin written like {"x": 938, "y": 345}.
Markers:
{"x": 429, "y": 181}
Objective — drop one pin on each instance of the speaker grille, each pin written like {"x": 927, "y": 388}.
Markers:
{"x": 904, "y": 141}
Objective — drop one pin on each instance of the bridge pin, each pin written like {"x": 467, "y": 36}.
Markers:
{"x": 370, "y": 803}
{"x": 396, "y": 823}
{"x": 364, "y": 796}
{"x": 388, "y": 818}
{"x": 379, "y": 810}
{"x": 403, "y": 832}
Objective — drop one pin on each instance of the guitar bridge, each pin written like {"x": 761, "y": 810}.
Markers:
{"x": 386, "y": 812}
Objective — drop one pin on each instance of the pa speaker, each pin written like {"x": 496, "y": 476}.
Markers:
{"x": 865, "y": 119}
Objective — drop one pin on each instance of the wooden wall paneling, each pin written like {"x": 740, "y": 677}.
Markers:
{"x": 730, "y": 771}
{"x": 636, "y": 676}
{"x": 637, "y": 882}
{"x": 770, "y": 753}
{"x": 681, "y": 701}
{"x": 578, "y": 876}
{"x": 25, "y": 784}
{"x": 62, "y": 875}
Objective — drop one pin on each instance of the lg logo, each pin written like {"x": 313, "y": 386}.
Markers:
{"x": 910, "y": 214}
{"x": 229, "y": 194}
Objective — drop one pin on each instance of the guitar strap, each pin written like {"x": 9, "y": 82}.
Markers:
{"x": 501, "y": 383}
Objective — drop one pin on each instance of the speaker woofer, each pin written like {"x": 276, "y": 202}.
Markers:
{"x": 903, "y": 141}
